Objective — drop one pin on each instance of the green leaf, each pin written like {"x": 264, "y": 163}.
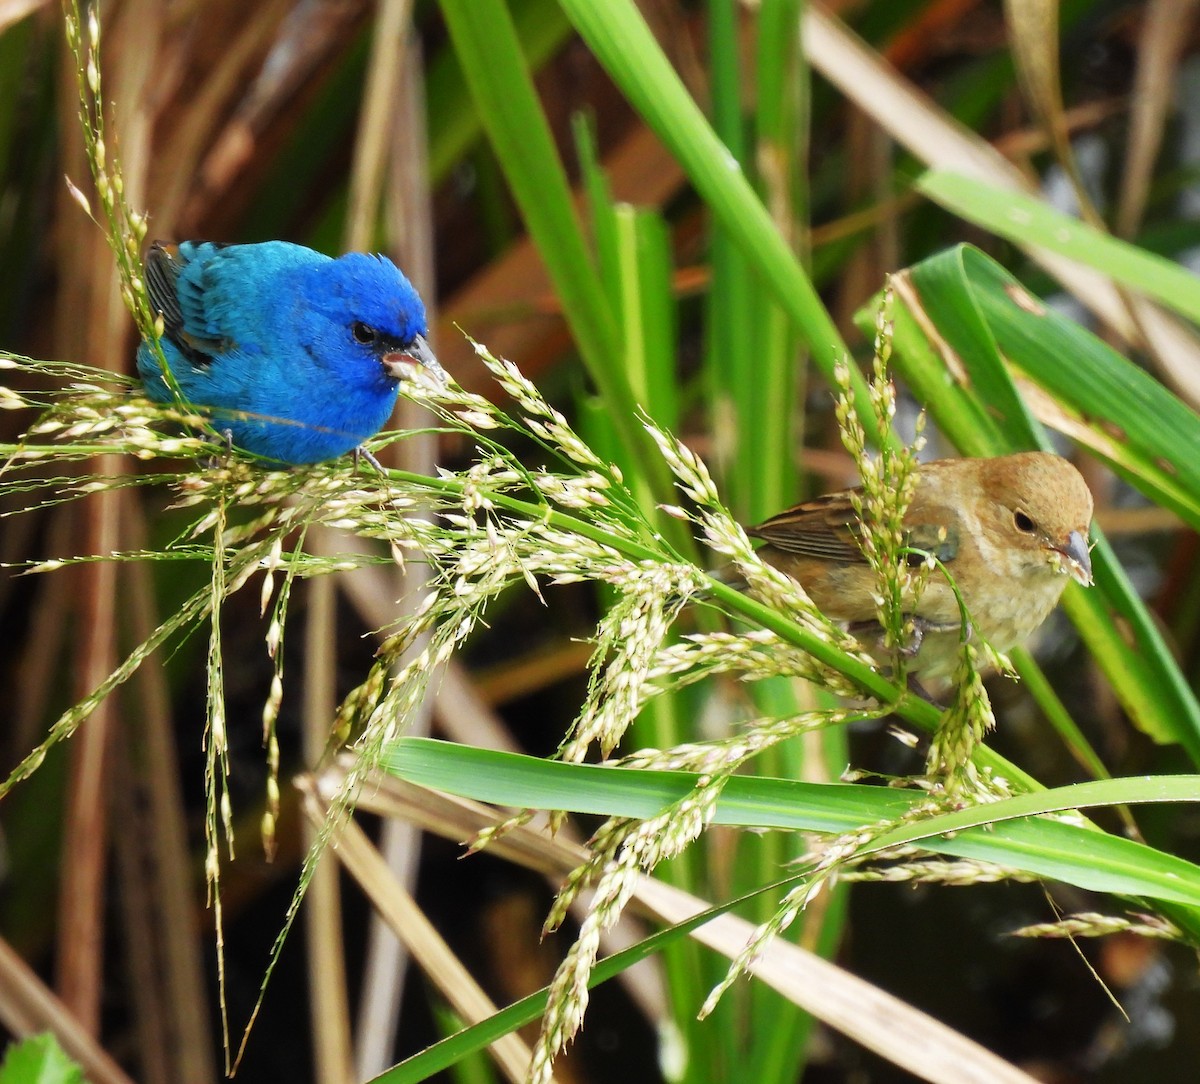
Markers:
{"x": 965, "y": 329}
{"x": 496, "y": 72}
{"x": 450, "y": 1050}
{"x": 454, "y": 124}
{"x": 1007, "y": 832}
{"x": 1028, "y": 220}
{"x": 622, "y": 42}
{"x": 39, "y": 1060}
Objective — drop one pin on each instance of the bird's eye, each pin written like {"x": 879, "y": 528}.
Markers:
{"x": 363, "y": 333}
{"x": 1023, "y": 523}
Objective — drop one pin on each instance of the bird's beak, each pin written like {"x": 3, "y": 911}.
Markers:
{"x": 416, "y": 353}
{"x": 1079, "y": 561}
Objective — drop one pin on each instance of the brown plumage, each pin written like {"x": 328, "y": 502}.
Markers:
{"x": 1010, "y": 530}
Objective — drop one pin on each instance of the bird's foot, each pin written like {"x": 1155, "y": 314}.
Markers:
{"x": 361, "y": 455}
{"x": 917, "y": 689}
{"x": 916, "y": 628}
{"x": 219, "y": 462}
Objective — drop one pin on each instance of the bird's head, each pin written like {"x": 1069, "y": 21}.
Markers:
{"x": 1041, "y": 511}
{"x": 377, "y": 314}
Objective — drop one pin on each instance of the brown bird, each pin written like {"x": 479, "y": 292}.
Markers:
{"x": 1009, "y": 530}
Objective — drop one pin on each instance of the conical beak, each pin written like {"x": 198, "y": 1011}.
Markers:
{"x": 1079, "y": 561}
{"x": 416, "y": 353}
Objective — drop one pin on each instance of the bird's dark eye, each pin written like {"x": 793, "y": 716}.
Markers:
{"x": 363, "y": 333}
{"x": 1023, "y": 523}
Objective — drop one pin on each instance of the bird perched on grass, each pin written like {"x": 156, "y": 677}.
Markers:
{"x": 1011, "y": 531}
{"x": 294, "y": 354}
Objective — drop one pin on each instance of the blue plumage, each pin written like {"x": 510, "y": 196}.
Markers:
{"x": 294, "y": 353}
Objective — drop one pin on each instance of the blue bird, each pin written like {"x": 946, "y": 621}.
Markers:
{"x": 294, "y": 354}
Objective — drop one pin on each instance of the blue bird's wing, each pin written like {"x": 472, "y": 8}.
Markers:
{"x": 176, "y": 285}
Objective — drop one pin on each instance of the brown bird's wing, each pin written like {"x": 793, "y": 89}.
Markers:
{"x": 824, "y": 527}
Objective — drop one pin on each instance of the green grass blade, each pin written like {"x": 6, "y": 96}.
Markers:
{"x": 1147, "y": 434}
{"x": 733, "y": 304}
{"x": 453, "y": 124}
{"x": 449, "y": 1051}
{"x": 1028, "y": 220}
{"x": 967, "y": 321}
{"x": 490, "y": 53}
{"x": 618, "y": 36}
{"x": 1007, "y": 832}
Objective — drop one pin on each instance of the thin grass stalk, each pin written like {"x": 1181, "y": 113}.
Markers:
{"x": 329, "y": 1003}
{"x": 218, "y": 812}
{"x": 781, "y": 147}
{"x": 374, "y": 150}
{"x": 1159, "y": 49}
{"x": 1034, "y": 44}
{"x": 78, "y": 978}
{"x": 733, "y": 303}
{"x": 172, "y": 874}
{"x": 96, "y": 335}
{"x": 373, "y": 141}
{"x": 48, "y": 632}
{"x": 405, "y": 208}
{"x": 143, "y": 969}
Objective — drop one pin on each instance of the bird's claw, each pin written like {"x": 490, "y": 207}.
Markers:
{"x": 914, "y": 636}
{"x": 362, "y": 455}
{"x": 917, "y": 689}
{"x": 914, "y": 627}
{"x": 218, "y": 462}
